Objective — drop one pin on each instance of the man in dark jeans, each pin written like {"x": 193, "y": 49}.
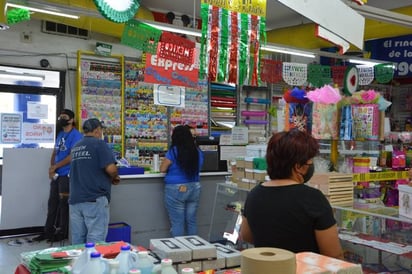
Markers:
{"x": 57, "y": 222}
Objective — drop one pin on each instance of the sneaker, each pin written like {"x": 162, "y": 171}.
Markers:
{"x": 39, "y": 238}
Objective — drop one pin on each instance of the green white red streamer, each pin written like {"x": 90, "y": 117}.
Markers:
{"x": 230, "y": 50}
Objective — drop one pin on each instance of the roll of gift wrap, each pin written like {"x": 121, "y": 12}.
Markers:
{"x": 268, "y": 260}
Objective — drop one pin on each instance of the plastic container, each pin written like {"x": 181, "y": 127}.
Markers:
{"x": 95, "y": 265}
{"x": 84, "y": 257}
{"x": 144, "y": 263}
{"x": 167, "y": 267}
{"x": 127, "y": 259}
{"x": 113, "y": 266}
{"x": 157, "y": 269}
{"x": 188, "y": 270}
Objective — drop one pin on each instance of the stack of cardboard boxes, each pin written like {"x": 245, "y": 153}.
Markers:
{"x": 249, "y": 171}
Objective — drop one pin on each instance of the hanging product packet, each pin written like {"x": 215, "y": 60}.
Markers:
{"x": 365, "y": 121}
{"x": 345, "y": 129}
{"x": 325, "y": 112}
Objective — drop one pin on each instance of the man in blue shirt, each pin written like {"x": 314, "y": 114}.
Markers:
{"x": 93, "y": 171}
{"x": 57, "y": 221}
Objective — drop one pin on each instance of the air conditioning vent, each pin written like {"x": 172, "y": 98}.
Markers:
{"x": 64, "y": 30}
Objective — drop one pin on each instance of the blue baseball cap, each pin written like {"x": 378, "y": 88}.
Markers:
{"x": 91, "y": 124}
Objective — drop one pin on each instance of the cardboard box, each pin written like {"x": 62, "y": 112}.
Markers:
{"x": 172, "y": 249}
{"x": 231, "y": 255}
{"x": 405, "y": 200}
{"x": 240, "y": 163}
{"x": 243, "y": 184}
{"x": 239, "y": 173}
{"x": 201, "y": 249}
{"x": 249, "y": 174}
{"x": 259, "y": 175}
{"x": 249, "y": 164}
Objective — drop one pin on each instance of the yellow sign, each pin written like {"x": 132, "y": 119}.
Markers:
{"x": 380, "y": 176}
{"x": 254, "y": 7}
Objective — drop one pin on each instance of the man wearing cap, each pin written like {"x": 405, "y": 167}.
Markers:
{"x": 93, "y": 171}
{"x": 57, "y": 221}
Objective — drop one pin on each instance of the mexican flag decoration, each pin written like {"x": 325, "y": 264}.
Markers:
{"x": 232, "y": 33}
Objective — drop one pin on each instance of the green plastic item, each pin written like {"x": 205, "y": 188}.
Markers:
{"x": 110, "y": 12}
{"x": 260, "y": 163}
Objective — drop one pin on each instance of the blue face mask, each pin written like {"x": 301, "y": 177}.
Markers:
{"x": 309, "y": 173}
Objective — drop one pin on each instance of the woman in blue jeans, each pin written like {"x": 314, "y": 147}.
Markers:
{"x": 182, "y": 165}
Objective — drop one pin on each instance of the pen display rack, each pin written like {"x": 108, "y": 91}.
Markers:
{"x": 100, "y": 95}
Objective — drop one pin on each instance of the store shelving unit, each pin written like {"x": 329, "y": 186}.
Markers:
{"x": 196, "y": 111}
{"x": 100, "y": 95}
{"x": 223, "y": 108}
{"x": 146, "y": 124}
{"x": 375, "y": 236}
{"x": 254, "y": 105}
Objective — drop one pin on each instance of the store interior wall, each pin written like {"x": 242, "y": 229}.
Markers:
{"x": 60, "y": 51}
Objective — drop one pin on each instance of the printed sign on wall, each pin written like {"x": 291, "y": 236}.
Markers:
{"x": 397, "y": 50}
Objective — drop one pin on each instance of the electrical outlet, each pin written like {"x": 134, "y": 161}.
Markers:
{"x": 26, "y": 37}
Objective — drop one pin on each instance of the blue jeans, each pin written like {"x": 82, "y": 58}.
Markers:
{"x": 182, "y": 202}
{"x": 89, "y": 221}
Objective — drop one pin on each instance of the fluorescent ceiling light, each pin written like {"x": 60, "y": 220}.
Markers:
{"x": 172, "y": 28}
{"x": 366, "y": 62}
{"x": 21, "y": 76}
{"x": 56, "y": 13}
{"x": 290, "y": 51}
{"x": 382, "y": 15}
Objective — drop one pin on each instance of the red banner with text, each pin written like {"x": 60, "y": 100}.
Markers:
{"x": 167, "y": 72}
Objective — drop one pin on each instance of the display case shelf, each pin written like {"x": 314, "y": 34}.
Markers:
{"x": 375, "y": 230}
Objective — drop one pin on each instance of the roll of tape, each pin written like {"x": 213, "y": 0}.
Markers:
{"x": 268, "y": 260}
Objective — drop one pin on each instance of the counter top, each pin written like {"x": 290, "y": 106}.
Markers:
{"x": 161, "y": 175}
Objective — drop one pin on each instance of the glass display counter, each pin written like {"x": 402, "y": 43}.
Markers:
{"x": 376, "y": 236}
{"x": 226, "y": 214}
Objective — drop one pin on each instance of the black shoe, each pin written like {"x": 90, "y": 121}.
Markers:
{"x": 39, "y": 238}
{"x": 56, "y": 238}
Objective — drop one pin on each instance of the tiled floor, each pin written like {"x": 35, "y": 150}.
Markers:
{"x": 11, "y": 248}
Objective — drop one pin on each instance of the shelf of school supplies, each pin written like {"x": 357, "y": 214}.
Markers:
{"x": 374, "y": 229}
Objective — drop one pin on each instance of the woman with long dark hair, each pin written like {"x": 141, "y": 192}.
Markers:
{"x": 182, "y": 165}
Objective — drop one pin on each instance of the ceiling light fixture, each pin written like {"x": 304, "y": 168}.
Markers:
{"x": 366, "y": 62}
{"x": 51, "y": 12}
{"x": 22, "y": 76}
{"x": 274, "y": 48}
{"x": 382, "y": 15}
{"x": 172, "y": 28}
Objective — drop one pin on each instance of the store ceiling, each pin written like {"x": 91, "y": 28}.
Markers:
{"x": 277, "y": 15}
{"x": 281, "y": 21}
